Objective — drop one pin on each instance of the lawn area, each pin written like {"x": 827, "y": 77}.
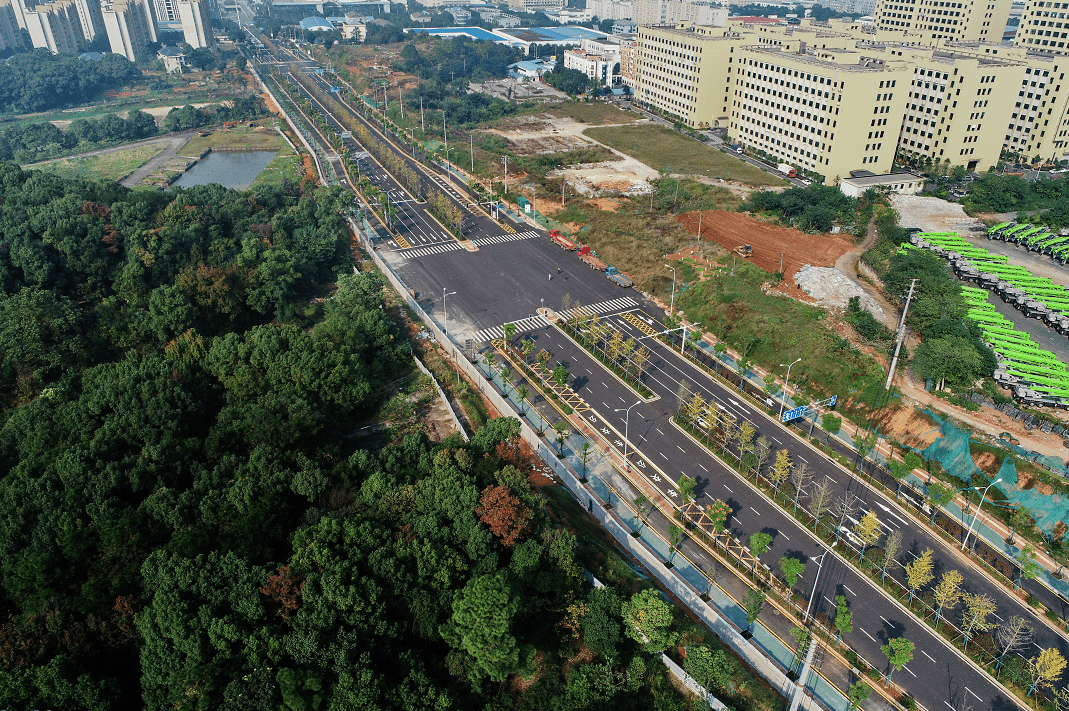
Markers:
{"x": 768, "y": 329}
{"x": 596, "y": 113}
{"x": 263, "y": 138}
{"x": 110, "y": 166}
{"x": 666, "y": 150}
{"x": 282, "y": 167}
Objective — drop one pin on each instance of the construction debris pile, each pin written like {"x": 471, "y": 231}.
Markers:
{"x": 830, "y": 287}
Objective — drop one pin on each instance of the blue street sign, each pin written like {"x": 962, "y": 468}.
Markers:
{"x": 831, "y": 403}
{"x": 793, "y": 414}
{"x": 333, "y": 90}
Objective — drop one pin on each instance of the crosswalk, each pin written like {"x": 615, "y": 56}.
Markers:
{"x": 539, "y": 321}
{"x": 433, "y": 249}
{"x": 504, "y": 238}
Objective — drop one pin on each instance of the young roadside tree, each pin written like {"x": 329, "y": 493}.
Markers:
{"x": 675, "y": 537}
{"x": 801, "y": 476}
{"x": 801, "y": 640}
{"x": 868, "y": 531}
{"x": 762, "y": 450}
{"x": 562, "y": 431}
{"x": 542, "y": 359}
{"x": 693, "y": 409}
{"x": 509, "y": 330}
{"x": 524, "y": 392}
{"x": 718, "y": 513}
{"x": 844, "y": 507}
{"x": 1020, "y": 519}
{"x": 560, "y": 376}
{"x": 506, "y": 378}
{"x": 939, "y": 495}
{"x": 1030, "y": 569}
{"x": 899, "y": 653}
{"x": 974, "y": 617}
{"x": 1012, "y": 635}
{"x": 753, "y": 603}
{"x": 584, "y": 457}
{"x": 1045, "y": 669}
{"x": 820, "y": 500}
{"x": 919, "y": 573}
{"x": 643, "y": 506}
{"x": 858, "y": 693}
{"x": 947, "y": 593}
{"x": 792, "y": 568}
{"x": 527, "y": 347}
{"x": 744, "y": 437}
{"x": 781, "y": 469}
{"x": 759, "y": 543}
{"x": 891, "y": 546}
{"x": 844, "y": 619}
{"x": 686, "y": 488}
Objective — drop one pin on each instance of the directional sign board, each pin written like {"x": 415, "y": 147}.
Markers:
{"x": 793, "y": 414}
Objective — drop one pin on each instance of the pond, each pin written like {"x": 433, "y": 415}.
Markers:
{"x": 231, "y": 169}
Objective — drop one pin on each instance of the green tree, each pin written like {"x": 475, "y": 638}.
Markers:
{"x": 481, "y": 626}
{"x": 939, "y": 495}
{"x": 792, "y": 568}
{"x": 647, "y": 618}
{"x": 974, "y": 618}
{"x": 562, "y": 431}
{"x": 947, "y": 593}
{"x": 686, "y": 488}
{"x": 899, "y": 653}
{"x": 509, "y": 329}
{"x": 868, "y": 531}
{"x": 759, "y": 543}
{"x": 753, "y": 603}
{"x": 919, "y": 573}
{"x": 844, "y": 618}
{"x": 1045, "y": 669}
{"x": 560, "y": 375}
{"x": 858, "y": 693}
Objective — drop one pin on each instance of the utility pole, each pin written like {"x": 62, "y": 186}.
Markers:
{"x": 471, "y": 143}
{"x": 401, "y": 101}
{"x": 421, "y": 121}
{"x": 505, "y": 160}
{"x": 445, "y": 138}
{"x": 901, "y": 336}
{"x": 563, "y": 182}
{"x": 781, "y": 262}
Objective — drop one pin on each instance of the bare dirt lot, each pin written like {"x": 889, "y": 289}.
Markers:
{"x": 769, "y": 242}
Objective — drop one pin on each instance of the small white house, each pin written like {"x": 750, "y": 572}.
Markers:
{"x": 861, "y": 180}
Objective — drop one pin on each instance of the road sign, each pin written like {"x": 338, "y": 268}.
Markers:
{"x": 793, "y": 414}
{"x": 334, "y": 90}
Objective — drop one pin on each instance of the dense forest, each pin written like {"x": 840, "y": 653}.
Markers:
{"x": 1046, "y": 200}
{"x": 40, "y": 80}
{"x": 190, "y": 521}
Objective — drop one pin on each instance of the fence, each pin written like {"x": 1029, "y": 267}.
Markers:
{"x": 441, "y": 394}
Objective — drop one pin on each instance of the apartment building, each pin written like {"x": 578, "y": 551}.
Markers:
{"x": 966, "y": 21}
{"x": 628, "y": 61}
{"x": 131, "y": 27}
{"x": 10, "y": 37}
{"x": 55, "y": 26}
{"x": 196, "y": 27}
{"x": 671, "y": 12}
{"x": 537, "y": 5}
{"x": 829, "y": 110}
{"x": 595, "y": 66}
{"x": 611, "y": 9}
{"x": 687, "y": 71}
{"x": 1044, "y": 26}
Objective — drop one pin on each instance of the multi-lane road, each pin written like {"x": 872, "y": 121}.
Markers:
{"x": 515, "y": 270}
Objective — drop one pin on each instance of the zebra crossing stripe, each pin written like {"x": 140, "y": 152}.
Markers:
{"x": 433, "y": 249}
{"x": 497, "y": 239}
{"x": 522, "y": 325}
{"x": 605, "y": 307}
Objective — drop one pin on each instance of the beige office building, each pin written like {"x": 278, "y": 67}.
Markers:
{"x": 10, "y": 37}
{"x": 672, "y": 12}
{"x": 1044, "y": 26}
{"x": 196, "y": 27}
{"x": 967, "y": 21}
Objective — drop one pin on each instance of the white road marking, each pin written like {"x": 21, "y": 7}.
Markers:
{"x": 662, "y": 454}
{"x": 849, "y": 590}
{"x": 973, "y": 693}
{"x": 681, "y": 449}
{"x": 904, "y": 521}
{"x": 706, "y": 470}
{"x": 803, "y": 459}
{"x": 785, "y": 536}
{"x": 883, "y": 618}
{"x": 659, "y": 430}
{"x": 870, "y": 637}
{"x": 728, "y": 488}
{"x": 755, "y": 511}
{"x": 929, "y": 656}
{"x": 911, "y": 673}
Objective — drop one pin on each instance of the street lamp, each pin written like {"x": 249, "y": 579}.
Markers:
{"x": 445, "y": 305}
{"x": 977, "y": 514}
{"x": 820, "y": 564}
{"x": 783, "y": 400}
{"x": 683, "y": 341}
{"x": 672, "y": 308}
{"x": 627, "y": 421}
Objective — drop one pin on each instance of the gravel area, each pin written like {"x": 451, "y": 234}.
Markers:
{"x": 931, "y": 214}
{"x": 830, "y": 287}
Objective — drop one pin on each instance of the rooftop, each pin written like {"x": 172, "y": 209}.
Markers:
{"x": 315, "y": 24}
{"x": 887, "y": 178}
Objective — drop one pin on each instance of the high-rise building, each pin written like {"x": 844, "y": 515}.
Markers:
{"x": 10, "y": 37}
{"x": 966, "y": 21}
{"x": 611, "y": 9}
{"x": 1044, "y": 26}
{"x": 130, "y": 26}
{"x": 90, "y": 18}
{"x": 196, "y": 27}
{"x": 55, "y": 26}
{"x": 671, "y": 12}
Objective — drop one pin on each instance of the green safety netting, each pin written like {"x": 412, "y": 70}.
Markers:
{"x": 951, "y": 450}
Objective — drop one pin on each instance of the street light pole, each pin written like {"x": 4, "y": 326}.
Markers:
{"x": 627, "y": 421}
{"x": 505, "y": 160}
{"x": 672, "y": 308}
{"x": 977, "y": 514}
{"x": 445, "y": 305}
{"x": 783, "y": 400}
{"x": 820, "y": 564}
{"x": 683, "y": 341}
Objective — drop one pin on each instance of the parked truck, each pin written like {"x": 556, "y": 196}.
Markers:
{"x": 587, "y": 256}
{"x": 561, "y": 240}
{"x": 620, "y": 279}
{"x": 788, "y": 170}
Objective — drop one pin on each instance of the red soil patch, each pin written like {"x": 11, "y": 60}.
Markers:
{"x": 730, "y": 229}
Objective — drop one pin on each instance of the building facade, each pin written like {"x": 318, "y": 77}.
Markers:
{"x": 130, "y": 26}
{"x": 670, "y": 12}
{"x": 1044, "y": 26}
{"x": 10, "y": 36}
{"x": 196, "y": 26}
{"x": 611, "y": 10}
{"x": 593, "y": 65}
{"x": 55, "y": 26}
{"x": 967, "y": 21}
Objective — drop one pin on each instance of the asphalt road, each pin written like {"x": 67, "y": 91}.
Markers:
{"x": 502, "y": 282}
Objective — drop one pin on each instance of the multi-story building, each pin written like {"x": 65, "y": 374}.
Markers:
{"x": 165, "y": 11}
{"x": 90, "y": 18}
{"x": 628, "y": 61}
{"x": 611, "y": 9}
{"x": 196, "y": 27}
{"x": 595, "y": 66}
{"x": 671, "y": 12}
{"x": 131, "y": 27}
{"x": 826, "y": 110}
{"x": 687, "y": 71}
{"x": 854, "y": 7}
{"x": 537, "y": 5}
{"x": 1044, "y": 26}
{"x": 55, "y": 26}
{"x": 966, "y": 21}
{"x": 10, "y": 37}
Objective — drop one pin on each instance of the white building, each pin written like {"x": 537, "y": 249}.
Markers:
{"x": 174, "y": 59}
{"x": 670, "y": 12}
{"x": 861, "y": 180}
{"x": 10, "y": 38}
{"x": 196, "y": 27}
{"x": 568, "y": 16}
{"x": 610, "y": 9}
{"x": 55, "y": 26}
{"x": 598, "y": 68}
{"x": 130, "y": 26}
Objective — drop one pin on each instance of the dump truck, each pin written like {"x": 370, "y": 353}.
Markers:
{"x": 788, "y": 170}
{"x": 587, "y": 256}
{"x": 620, "y": 279}
{"x": 561, "y": 240}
